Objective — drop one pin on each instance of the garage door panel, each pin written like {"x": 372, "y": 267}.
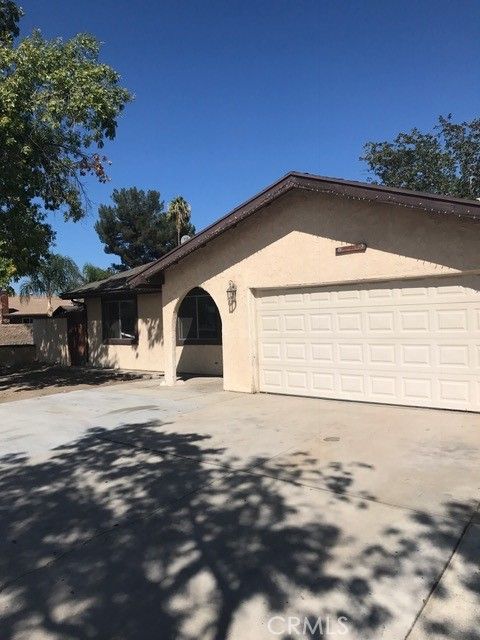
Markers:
{"x": 380, "y": 322}
{"x": 456, "y": 355}
{"x": 271, "y": 379}
{"x": 350, "y": 354}
{"x": 271, "y": 352}
{"x": 456, "y": 390}
{"x": 449, "y": 320}
{"x": 294, "y": 323}
{"x": 296, "y": 352}
{"x": 322, "y": 353}
{"x": 324, "y": 383}
{"x": 416, "y": 355}
{"x": 321, "y": 322}
{"x": 406, "y": 343}
{"x": 383, "y": 388}
{"x": 381, "y": 354}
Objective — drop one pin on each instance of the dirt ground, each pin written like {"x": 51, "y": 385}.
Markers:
{"x": 20, "y": 383}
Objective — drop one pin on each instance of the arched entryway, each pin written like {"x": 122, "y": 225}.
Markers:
{"x": 199, "y": 335}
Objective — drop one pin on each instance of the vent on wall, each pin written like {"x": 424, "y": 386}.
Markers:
{"x": 359, "y": 247}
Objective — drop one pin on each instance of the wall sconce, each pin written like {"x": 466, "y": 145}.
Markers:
{"x": 232, "y": 296}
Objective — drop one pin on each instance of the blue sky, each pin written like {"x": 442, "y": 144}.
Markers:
{"x": 230, "y": 94}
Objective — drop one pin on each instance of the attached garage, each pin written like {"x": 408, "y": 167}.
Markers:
{"x": 409, "y": 342}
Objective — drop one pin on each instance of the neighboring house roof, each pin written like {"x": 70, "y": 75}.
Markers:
{"x": 428, "y": 202}
{"x": 15, "y": 335}
{"x": 67, "y": 309}
{"x": 33, "y": 306}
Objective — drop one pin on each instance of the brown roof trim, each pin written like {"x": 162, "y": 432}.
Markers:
{"x": 118, "y": 282}
{"x": 347, "y": 188}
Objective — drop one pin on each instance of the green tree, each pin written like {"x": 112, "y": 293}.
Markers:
{"x": 55, "y": 274}
{"x": 445, "y": 161}
{"x": 179, "y": 213}
{"x": 10, "y": 14}
{"x": 58, "y": 106}
{"x": 7, "y": 270}
{"x": 92, "y": 273}
{"x": 136, "y": 227}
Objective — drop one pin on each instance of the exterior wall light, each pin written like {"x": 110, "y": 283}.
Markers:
{"x": 232, "y": 296}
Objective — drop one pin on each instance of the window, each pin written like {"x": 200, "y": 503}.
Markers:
{"x": 119, "y": 321}
{"x": 198, "y": 319}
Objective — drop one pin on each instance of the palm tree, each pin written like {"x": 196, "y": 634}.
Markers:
{"x": 55, "y": 274}
{"x": 179, "y": 212}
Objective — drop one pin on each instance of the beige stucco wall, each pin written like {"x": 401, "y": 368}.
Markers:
{"x": 292, "y": 242}
{"x": 146, "y": 355}
{"x": 51, "y": 340}
{"x": 200, "y": 358}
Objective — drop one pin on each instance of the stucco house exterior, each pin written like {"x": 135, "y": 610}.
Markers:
{"x": 315, "y": 286}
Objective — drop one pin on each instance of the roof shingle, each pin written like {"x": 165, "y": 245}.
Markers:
{"x": 15, "y": 335}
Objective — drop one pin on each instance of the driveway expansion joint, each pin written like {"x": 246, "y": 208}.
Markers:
{"x": 253, "y": 470}
{"x": 469, "y": 523}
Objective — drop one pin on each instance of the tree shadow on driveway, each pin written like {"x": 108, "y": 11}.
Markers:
{"x": 152, "y": 540}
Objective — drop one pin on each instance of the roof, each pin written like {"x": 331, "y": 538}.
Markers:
{"x": 427, "y": 202}
{"x": 33, "y": 306}
{"x": 67, "y": 309}
{"x": 117, "y": 282}
{"x": 15, "y": 335}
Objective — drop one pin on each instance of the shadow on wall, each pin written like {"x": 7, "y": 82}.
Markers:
{"x": 153, "y": 327}
{"x": 17, "y": 355}
{"x": 100, "y": 354}
{"x": 198, "y": 319}
{"x": 202, "y": 359}
{"x": 145, "y": 354}
{"x": 51, "y": 340}
{"x": 146, "y": 539}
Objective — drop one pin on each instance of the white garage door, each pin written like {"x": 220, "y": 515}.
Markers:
{"x": 413, "y": 343}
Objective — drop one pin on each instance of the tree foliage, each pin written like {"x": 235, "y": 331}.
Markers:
{"x": 92, "y": 273}
{"x": 10, "y": 14}
{"x": 58, "y": 106}
{"x": 54, "y": 275}
{"x": 445, "y": 161}
{"x": 136, "y": 227}
{"x": 7, "y": 269}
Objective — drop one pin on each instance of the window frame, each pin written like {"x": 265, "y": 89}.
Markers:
{"x": 195, "y": 294}
{"x": 119, "y": 299}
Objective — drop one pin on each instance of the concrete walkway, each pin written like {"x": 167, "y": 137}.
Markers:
{"x": 141, "y": 511}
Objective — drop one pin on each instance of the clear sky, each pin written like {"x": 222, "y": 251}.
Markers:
{"x": 232, "y": 94}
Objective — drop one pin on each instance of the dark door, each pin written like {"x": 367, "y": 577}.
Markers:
{"x": 77, "y": 339}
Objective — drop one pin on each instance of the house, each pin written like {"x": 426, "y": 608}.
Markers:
{"x": 16, "y": 309}
{"x": 58, "y": 337}
{"x": 315, "y": 286}
{"x": 16, "y": 345}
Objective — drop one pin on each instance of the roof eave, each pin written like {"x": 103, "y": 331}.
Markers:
{"x": 103, "y": 293}
{"x": 354, "y": 190}
{"x": 140, "y": 281}
{"x": 263, "y": 199}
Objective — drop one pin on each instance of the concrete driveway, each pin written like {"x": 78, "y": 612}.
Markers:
{"x": 140, "y": 511}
